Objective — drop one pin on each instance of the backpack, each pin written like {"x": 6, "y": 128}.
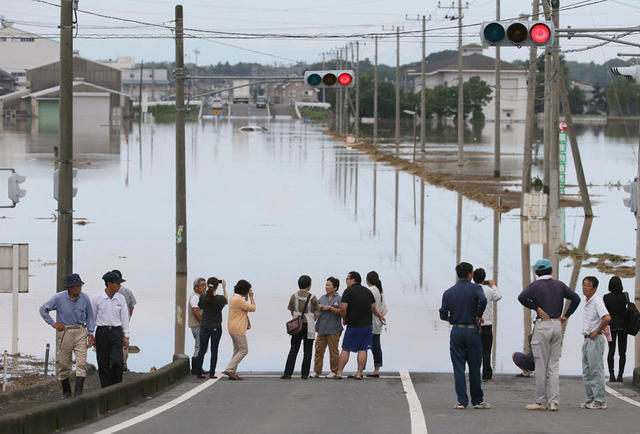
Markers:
{"x": 631, "y": 318}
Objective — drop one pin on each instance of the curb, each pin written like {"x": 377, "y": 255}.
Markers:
{"x": 28, "y": 392}
{"x": 67, "y": 413}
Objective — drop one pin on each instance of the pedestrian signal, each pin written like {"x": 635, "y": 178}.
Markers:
{"x": 333, "y": 78}
{"x": 15, "y": 192}
{"x": 517, "y": 33}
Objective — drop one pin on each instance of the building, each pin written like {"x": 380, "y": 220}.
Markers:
{"x": 7, "y": 83}
{"x": 290, "y": 93}
{"x": 97, "y": 95}
{"x": 155, "y": 83}
{"x": 20, "y": 51}
{"x": 122, "y": 62}
{"x": 513, "y": 81}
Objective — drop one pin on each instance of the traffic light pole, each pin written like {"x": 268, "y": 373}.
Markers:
{"x": 554, "y": 154}
{"x": 496, "y": 124}
{"x": 181, "y": 193}
{"x": 357, "y": 78}
{"x": 65, "y": 184}
{"x": 397, "y": 129}
{"x": 423, "y": 85}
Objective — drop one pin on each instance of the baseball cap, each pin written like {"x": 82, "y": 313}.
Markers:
{"x": 543, "y": 264}
{"x": 112, "y": 277}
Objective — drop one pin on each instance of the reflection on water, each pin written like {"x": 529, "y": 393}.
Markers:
{"x": 271, "y": 206}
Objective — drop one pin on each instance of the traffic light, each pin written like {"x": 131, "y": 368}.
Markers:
{"x": 517, "y": 33}
{"x": 328, "y": 79}
{"x": 632, "y": 200}
{"x": 15, "y": 192}
{"x": 56, "y": 176}
{"x": 631, "y": 73}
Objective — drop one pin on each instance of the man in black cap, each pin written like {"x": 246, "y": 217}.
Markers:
{"x": 112, "y": 329}
{"x": 74, "y": 331}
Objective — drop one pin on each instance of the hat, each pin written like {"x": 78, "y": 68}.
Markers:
{"x": 112, "y": 277}
{"x": 543, "y": 264}
{"x": 72, "y": 280}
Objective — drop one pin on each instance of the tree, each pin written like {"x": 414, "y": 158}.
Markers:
{"x": 577, "y": 100}
{"x": 623, "y": 98}
{"x": 476, "y": 94}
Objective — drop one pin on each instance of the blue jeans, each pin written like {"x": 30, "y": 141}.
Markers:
{"x": 206, "y": 334}
{"x": 465, "y": 346}
{"x": 376, "y": 350}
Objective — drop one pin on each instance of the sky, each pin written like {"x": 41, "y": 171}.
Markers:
{"x": 102, "y": 38}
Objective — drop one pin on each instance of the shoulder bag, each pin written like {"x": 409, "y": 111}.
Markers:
{"x": 294, "y": 326}
{"x": 632, "y": 318}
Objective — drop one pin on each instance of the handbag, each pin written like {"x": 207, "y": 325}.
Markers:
{"x": 631, "y": 318}
{"x": 294, "y": 326}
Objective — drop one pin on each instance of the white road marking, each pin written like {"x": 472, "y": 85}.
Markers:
{"x": 418, "y": 423}
{"x": 151, "y": 413}
{"x": 621, "y": 396}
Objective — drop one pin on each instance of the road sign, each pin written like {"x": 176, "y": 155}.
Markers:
{"x": 563, "y": 125}
{"x": 215, "y": 112}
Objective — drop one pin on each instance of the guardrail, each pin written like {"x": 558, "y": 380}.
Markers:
{"x": 69, "y": 412}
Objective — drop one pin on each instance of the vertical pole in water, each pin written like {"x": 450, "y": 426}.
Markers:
{"x": 397, "y": 132}
{"x": 5, "y": 368}
{"x": 421, "y": 229}
{"x": 15, "y": 287}
{"x": 395, "y": 227}
{"x": 460, "y": 90}
{"x": 526, "y": 280}
{"x": 357, "y": 128}
{"x": 375, "y": 94}
{"x": 181, "y": 193}
{"x": 459, "y": 230}
{"x": 324, "y": 89}
{"x": 496, "y": 124}
{"x": 496, "y": 263}
{"x": 423, "y": 115}
{"x": 530, "y": 120}
{"x": 46, "y": 361}
{"x": 65, "y": 184}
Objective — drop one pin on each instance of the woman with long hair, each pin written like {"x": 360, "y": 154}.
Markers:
{"x": 239, "y": 308}
{"x": 616, "y": 303}
{"x": 211, "y": 306}
{"x": 375, "y": 286}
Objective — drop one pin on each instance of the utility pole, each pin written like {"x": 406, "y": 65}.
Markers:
{"x": 65, "y": 171}
{"x": 181, "y": 193}
{"x": 357, "y": 127}
{"x": 530, "y": 123}
{"x": 397, "y": 129}
{"x": 554, "y": 155}
{"x": 423, "y": 62}
{"x": 375, "y": 94}
{"x": 498, "y": 115}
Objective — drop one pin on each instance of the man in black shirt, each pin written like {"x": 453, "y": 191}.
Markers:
{"x": 355, "y": 308}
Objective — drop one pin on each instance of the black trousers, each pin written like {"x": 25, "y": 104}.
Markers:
{"x": 487, "y": 342}
{"x": 293, "y": 353}
{"x": 109, "y": 354}
{"x": 621, "y": 337}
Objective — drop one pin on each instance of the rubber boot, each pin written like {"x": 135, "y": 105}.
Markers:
{"x": 66, "y": 388}
{"x": 78, "y": 386}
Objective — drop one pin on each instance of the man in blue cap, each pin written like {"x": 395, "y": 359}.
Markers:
{"x": 74, "y": 322}
{"x": 546, "y": 296}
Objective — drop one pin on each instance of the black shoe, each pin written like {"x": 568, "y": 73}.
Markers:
{"x": 619, "y": 380}
{"x": 612, "y": 378}
{"x": 285, "y": 377}
{"x": 66, "y": 388}
{"x": 305, "y": 377}
{"x": 77, "y": 390}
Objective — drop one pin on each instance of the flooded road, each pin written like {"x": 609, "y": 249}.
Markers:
{"x": 268, "y": 207}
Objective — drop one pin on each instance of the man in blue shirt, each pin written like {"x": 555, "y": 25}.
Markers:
{"x": 74, "y": 322}
{"x": 462, "y": 306}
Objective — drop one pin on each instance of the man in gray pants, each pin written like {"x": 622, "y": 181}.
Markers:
{"x": 546, "y": 296}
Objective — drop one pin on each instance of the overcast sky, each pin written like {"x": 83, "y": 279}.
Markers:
{"x": 336, "y": 17}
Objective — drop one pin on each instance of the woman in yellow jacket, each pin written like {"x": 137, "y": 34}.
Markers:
{"x": 239, "y": 308}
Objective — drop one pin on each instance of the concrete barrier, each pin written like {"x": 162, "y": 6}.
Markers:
{"x": 67, "y": 413}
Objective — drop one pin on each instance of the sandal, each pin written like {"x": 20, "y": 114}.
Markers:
{"x": 521, "y": 375}
{"x": 373, "y": 375}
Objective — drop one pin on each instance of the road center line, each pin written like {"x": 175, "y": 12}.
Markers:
{"x": 418, "y": 423}
{"x": 151, "y": 413}
{"x": 620, "y": 396}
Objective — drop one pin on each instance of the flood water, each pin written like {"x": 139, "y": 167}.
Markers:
{"x": 268, "y": 207}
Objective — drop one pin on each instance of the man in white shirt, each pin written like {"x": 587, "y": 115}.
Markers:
{"x": 195, "y": 318}
{"x": 486, "y": 330}
{"x": 595, "y": 320}
{"x": 112, "y": 329}
{"x": 131, "y": 302}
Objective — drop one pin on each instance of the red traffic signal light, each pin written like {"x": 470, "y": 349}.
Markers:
{"x": 540, "y": 33}
{"x": 331, "y": 78}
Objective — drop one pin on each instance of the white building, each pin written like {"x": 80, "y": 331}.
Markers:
{"x": 20, "y": 50}
{"x": 122, "y": 62}
{"x": 513, "y": 80}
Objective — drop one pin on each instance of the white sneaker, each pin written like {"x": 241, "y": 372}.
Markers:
{"x": 314, "y": 375}
{"x": 553, "y": 406}
{"x": 584, "y": 404}
{"x": 596, "y": 405}
{"x": 483, "y": 406}
{"x": 331, "y": 375}
{"x": 536, "y": 407}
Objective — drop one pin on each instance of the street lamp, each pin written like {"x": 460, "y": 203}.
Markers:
{"x": 413, "y": 113}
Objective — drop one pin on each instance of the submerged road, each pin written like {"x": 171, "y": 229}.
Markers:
{"x": 414, "y": 403}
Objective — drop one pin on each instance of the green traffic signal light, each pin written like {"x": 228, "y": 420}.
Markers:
{"x": 494, "y": 33}
{"x": 314, "y": 79}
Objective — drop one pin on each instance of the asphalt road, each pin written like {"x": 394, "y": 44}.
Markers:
{"x": 266, "y": 404}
